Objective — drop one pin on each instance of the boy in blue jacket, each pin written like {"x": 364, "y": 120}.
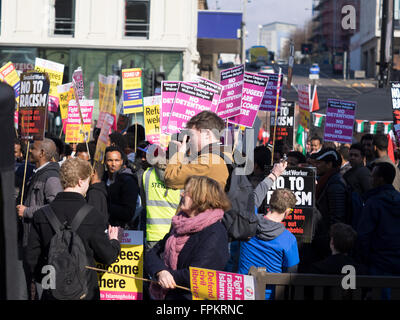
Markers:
{"x": 273, "y": 248}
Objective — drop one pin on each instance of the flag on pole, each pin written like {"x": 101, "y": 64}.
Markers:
{"x": 301, "y": 138}
{"x": 315, "y": 102}
{"x": 373, "y": 127}
{"x": 318, "y": 118}
{"x": 360, "y": 125}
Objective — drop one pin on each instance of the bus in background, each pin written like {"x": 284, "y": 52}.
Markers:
{"x": 257, "y": 56}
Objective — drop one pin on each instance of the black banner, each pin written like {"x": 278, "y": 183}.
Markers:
{"x": 301, "y": 181}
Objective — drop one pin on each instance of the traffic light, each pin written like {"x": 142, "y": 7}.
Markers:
{"x": 306, "y": 48}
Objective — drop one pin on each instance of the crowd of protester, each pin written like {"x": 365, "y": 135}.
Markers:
{"x": 179, "y": 205}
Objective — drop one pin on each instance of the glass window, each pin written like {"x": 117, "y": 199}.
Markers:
{"x": 64, "y": 21}
{"x": 137, "y": 14}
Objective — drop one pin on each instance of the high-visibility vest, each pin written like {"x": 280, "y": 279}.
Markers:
{"x": 161, "y": 205}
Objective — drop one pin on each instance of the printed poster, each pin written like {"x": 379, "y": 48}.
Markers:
{"x": 232, "y": 81}
{"x": 189, "y": 101}
{"x": 33, "y": 101}
{"x": 395, "y": 94}
{"x": 168, "y": 92}
{"x": 129, "y": 262}
{"x": 214, "y": 87}
{"x": 207, "y": 284}
{"x": 103, "y": 138}
{"x": 301, "y": 181}
{"x": 77, "y": 131}
{"x": 284, "y": 124}
{"x": 107, "y": 101}
{"x": 253, "y": 92}
{"x": 55, "y": 71}
{"x": 339, "y": 121}
{"x": 66, "y": 94}
{"x": 9, "y": 75}
{"x": 269, "y": 100}
{"x": 132, "y": 90}
{"x": 77, "y": 78}
{"x": 304, "y": 105}
{"x": 152, "y": 119}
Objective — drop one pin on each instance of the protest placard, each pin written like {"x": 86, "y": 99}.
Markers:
{"x": 219, "y": 285}
{"x": 33, "y": 101}
{"x": 9, "y": 75}
{"x": 339, "y": 122}
{"x": 189, "y": 101}
{"x": 152, "y": 119}
{"x": 129, "y": 262}
{"x": 232, "y": 81}
{"x": 284, "y": 124}
{"x": 304, "y": 105}
{"x": 168, "y": 92}
{"x": 268, "y": 102}
{"x": 77, "y": 78}
{"x": 395, "y": 93}
{"x": 212, "y": 86}
{"x": 107, "y": 101}
{"x": 55, "y": 72}
{"x": 77, "y": 131}
{"x": 103, "y": 138}
{"x": 132, "y": 90}
{"x": 65, "y": 94}
{"x": 301, "y": 181}
{"x": 253, "y": 93}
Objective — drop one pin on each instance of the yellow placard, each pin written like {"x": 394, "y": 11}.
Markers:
{"x": 9, "y": 74}
{"x": 203, "y": 283}
{"x": 129, "y": 262}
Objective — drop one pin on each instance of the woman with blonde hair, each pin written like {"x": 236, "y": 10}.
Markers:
{"x": 197, "y": 238}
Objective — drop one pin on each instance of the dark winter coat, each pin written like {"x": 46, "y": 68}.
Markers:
{"x": 207, "y": 248}
{"x": 97, "y": 244}
{"x": 122, "y": 197}
{"x": 96, "y": 196}
{"x": 379, "y": 232}
{"x": 42, "y": 188}
{"x": 359, "y": 178}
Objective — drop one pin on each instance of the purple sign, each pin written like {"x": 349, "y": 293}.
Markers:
{"x": 189, "y": 101}
{"x": 168, "y": 91}
{"x": 77, "y": 77}
{"x": 339, "y": 123}
{"x": 232, "y": 81}
{"x": 214, "y": 87}
{"x": 269, "y": 101}
{"x": 253, "y": 93}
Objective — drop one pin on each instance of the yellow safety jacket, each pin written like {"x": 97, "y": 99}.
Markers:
{"x": 161, "y": 205}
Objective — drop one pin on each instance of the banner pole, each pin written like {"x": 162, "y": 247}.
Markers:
{"x": 131, "y": 277}
{"x": 278, "y": 87}
{"x": 135, "y": 133}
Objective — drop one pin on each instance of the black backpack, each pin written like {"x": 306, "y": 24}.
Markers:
{"x": 240, "y": 221}
{"x": 67, "y": 254}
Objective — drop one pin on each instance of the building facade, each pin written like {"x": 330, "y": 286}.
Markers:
{"x": 274, "y": 36}
{"x": 102, "y": 36}
{"x": 330, "y": 40}
{"x": 365, "y": 45}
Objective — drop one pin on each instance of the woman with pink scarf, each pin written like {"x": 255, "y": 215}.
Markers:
{"x": 197, "y": 238}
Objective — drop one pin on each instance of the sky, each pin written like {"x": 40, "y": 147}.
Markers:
{"x": 261, "y": 12}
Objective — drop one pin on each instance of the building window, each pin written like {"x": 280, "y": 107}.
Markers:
{"x": 137, "y": 14}
{"x": 64, "y": 17}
